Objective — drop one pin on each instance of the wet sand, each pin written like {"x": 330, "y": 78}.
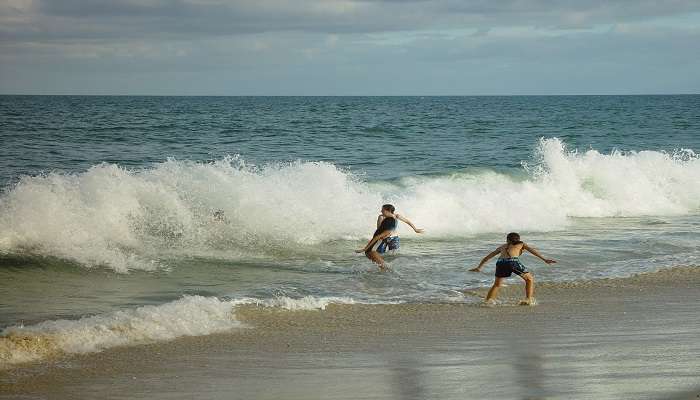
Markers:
{"x": 634, "y": 338}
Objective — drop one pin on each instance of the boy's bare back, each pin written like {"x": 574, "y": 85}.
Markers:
{"x": 511, "y": 250}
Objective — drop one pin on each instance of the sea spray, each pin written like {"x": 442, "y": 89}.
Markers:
{"x": 560, "y": 184}
{"x": 129, "y": 219}
{"x": 126, "y": 219}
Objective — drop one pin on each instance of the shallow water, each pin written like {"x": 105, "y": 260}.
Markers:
{"x": 108, "y": 202}
{"x": 618, "y": 338}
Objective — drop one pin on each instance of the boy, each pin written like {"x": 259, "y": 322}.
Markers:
{"x": 385, "y": 237}
{"x": 509, "y": 263}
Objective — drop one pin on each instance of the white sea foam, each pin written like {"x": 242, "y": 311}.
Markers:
{"x": 188, "y": 316}
{"x": 562, "y": 184}
{"x": 128, "y": 219}
{"x": 304, "y": 303}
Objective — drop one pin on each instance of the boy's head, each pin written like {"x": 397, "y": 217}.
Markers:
{"x": 513, "y": 238}
{"x": 387, "y": 209}
{"x": 219, "y": 215}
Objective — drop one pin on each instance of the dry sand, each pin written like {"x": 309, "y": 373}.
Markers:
{"x": 633, "y": 338}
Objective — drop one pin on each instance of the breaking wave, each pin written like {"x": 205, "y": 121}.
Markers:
{"x": 130, "y": 219}
{"x": 188, "y": 316}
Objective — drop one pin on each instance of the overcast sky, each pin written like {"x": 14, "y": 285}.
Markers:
{"x": 349, "y": 47}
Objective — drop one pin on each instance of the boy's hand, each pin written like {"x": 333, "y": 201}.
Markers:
{"x": 360, "y": 251}
{"x": 418, "y": 230}
{"x": 477, "y": 269}
{"x": 548, "y": 261}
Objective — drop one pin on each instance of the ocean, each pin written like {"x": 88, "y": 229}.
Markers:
{"x": 109, "y": 234}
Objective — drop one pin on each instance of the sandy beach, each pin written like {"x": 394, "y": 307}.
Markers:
{"x": 631, "y": 338}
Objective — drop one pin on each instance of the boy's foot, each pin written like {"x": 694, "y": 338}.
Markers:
{"x": 489, "y": 303}
{"x": 528, "y": 302}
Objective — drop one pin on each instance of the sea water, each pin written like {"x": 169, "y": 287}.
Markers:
{"x": 132, "y": 219}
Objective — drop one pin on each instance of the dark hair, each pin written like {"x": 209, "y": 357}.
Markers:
{"x": 219, "y": 215}
{"x": 389, "y": 208}
{"x": 513, "y": 238}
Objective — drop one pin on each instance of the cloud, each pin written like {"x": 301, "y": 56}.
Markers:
{"x": 33, "y": 20}
{"x": 351, "y": 46}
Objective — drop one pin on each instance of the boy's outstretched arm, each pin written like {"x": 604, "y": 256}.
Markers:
{"x": 401, "y": 218}
{"x": 486, "y": 259}
{"x": 537, "y": 254}
{"x": 373, "y": 241}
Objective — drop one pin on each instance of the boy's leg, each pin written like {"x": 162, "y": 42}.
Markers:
{"x": 529, "y": 285}
{"x": 376, "y": 258}
{"x": 493, "y": 292}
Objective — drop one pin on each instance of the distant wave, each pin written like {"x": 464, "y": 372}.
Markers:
{"x": 127, "y": 219}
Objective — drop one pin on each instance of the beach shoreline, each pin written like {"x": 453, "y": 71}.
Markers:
{"x": 610, "y": 338}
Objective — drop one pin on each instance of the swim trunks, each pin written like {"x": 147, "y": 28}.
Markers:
{"x": 388, "y": 244}
{"x": 507, "y": 266}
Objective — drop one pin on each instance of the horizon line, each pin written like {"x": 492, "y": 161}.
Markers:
{"x": 346, "y": 95}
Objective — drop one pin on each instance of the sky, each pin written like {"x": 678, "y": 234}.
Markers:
{"x": 349, "y": 47}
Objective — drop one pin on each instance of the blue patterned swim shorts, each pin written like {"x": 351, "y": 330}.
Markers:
{"x": 507, "y": 266}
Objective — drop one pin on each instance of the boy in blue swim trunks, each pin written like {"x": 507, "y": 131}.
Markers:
{"x": 385, "y": 237}
{"x": 509, "y": 263}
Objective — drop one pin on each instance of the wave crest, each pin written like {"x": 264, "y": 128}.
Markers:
{"x": 133, "y": 219}
{"x": 189, "y": 316}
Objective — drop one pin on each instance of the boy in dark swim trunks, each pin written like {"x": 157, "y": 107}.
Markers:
{"x": 385, "y": 237}
{"x": 509, "y": 263}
